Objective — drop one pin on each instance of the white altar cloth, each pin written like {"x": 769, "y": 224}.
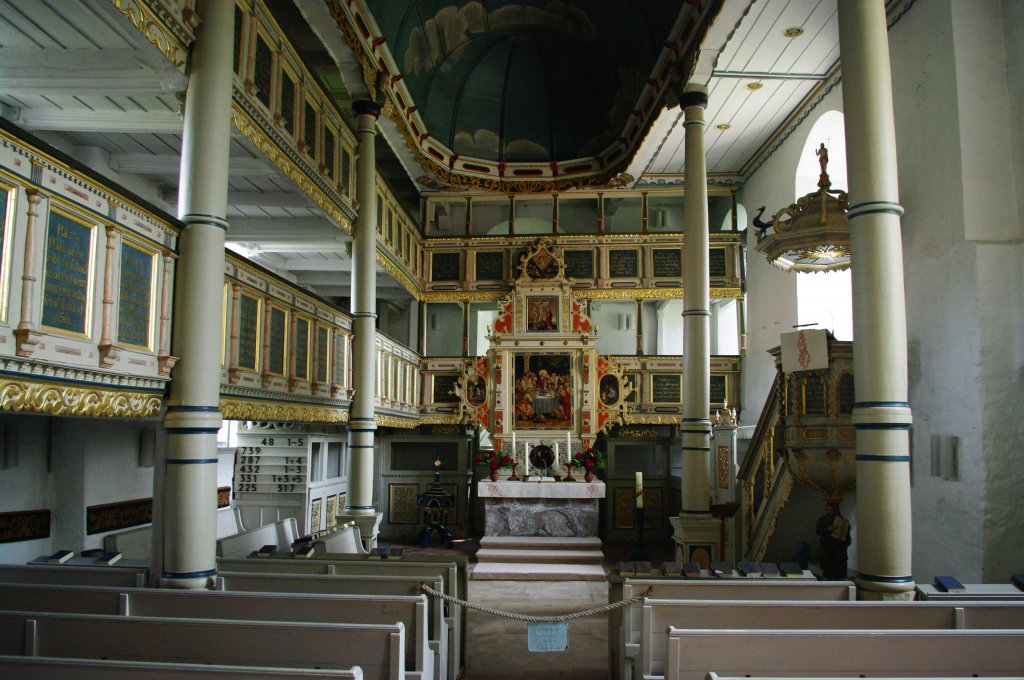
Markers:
{"x": 505, "y": 489}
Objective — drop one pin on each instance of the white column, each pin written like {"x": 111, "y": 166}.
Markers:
{"x": 881, "y": 414}
{"x": 361, "y": 424}
{"x": 695, "y": 527}
{"x": 696, "y": 427}
{"x": 190, "y": 477}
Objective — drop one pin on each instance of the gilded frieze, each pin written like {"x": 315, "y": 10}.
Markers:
{"x": 173, "y": 45}
{"x": 241, "y": 409}
{"x": 396, "y": 422}
{"x": 59, "y": 399}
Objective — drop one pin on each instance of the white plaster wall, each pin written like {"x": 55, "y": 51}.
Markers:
{"x": 611, "y": 339}
{"x": 28, "y": 485}
{"x": 942, "y": 305}
{"x": 444, "y": 334}
{"x": 771, "y": 293}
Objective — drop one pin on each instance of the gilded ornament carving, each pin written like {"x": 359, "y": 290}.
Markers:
{"x": 723, "y": 467}
{"x": 629, "y": 294}
{"x": 67, "y": 400}
{"x": 244, "y": 124}
{"x": 463, "y": 296}
{"x": 394, "y": 421}
{"x": 645, "y": 419}
{"x": 635, "y": 432}
{"x": 146, "y": 22}
{"x": 241, "y": 409}
{"x": 439, "y": 419}
{"x": 399, "y": 274}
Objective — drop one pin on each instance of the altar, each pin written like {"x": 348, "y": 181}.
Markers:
{"x": 556, "y": 509}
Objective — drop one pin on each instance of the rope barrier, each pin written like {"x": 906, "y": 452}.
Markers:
{"x": 537, "y": 619}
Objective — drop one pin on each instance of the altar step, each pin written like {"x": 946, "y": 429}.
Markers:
{"x": 539, "y": 558}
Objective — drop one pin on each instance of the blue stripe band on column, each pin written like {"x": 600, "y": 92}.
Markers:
{"x": 697, "y": 420}
{"x": 884, "y": 579}
{"x": 695, "y": 448}
{"x": 359, "y": 507}
{"x": 700, "y": 432}
{"x": 881, "y": 404}
{"x": 695, "y": 512}
{"x": 362, "y": 429}
{"x": 189, "y": 574}
{"x": 862, "y": 213}
{"x": 364, "y": 315}
{"x": 696, "y": 312}
{"x": 883, "y": 459}
{"x": 193, "y": 409}
{"x": 191, "y": 461}
{"x": 193, "y": 430}
{"x": 203, "y": 218}
{"x": 361, "y": 420}
{"x": 882, "y": 426}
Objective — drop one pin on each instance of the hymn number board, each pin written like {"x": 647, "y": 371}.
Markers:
{"x": 272, "y": 465}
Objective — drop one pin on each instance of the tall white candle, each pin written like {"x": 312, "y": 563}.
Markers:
{"x": 568, "y": 446}
{"x": 639, "y": 489}
{"x": 513, "y": 446}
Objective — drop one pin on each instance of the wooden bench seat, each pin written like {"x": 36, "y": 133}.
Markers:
{"x": 47, "y": 668}
{"x": 73, "y": 575}
{"x": 626, "y": 627}
{"x": 692, "y": 654}
{"x": 379, "y": 650}
{"x": 659, "y": 615}
{"x": 409, "y": 610}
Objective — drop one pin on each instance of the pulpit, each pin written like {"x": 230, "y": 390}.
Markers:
{"x": 555, "y": 509}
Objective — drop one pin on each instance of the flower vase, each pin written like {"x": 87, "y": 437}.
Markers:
{"x": 588, "y": 476}
{"x": 494, "y": 475}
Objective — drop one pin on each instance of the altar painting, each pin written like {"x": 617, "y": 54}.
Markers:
{"x": 542, "y": 313}
{"x": 543, "y": 391}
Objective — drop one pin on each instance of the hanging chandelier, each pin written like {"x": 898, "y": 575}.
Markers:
{"x": 811, "y": 235}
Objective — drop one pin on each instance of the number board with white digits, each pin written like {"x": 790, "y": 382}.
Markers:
{"x": 272, "y": 464}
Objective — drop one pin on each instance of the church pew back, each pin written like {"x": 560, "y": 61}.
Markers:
{"x": 69, "y": 575}
{"x": 694, "y": 653}
{"x": 377, "y": 649}
{"x": 438, "y": 625}
{"x": 334, "y": 565}
{"x": 659, "y": 615}
{"x": 46, "y": 668}
{"x": 628, "y": 631}
{"x": 411, "y": 610}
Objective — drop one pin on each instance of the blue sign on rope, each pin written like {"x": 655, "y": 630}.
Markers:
{"x": 547, "y": 637}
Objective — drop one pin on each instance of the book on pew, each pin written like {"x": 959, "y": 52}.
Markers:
{"x": 643, "y": 568}
{"x": 305, "y": 551}
{"x": 791, "y": 569}
{"x": 267, "y": 550}
{"x": 379, "y": 553}
{"x": 720, "y": 568}
{"x": 770, "y": 570}
{"x": 1018, "y": 580}
{"x": 395, "y": 553}
{"x": 751, "y": 569}
{"x": 108, "y": 558}
{"x": 627, "y": 568}
{"x": 672, "y": 568}
{"x": 691, "y": 569}
{"x": 949, "y": 584}
{"x": 61, "y": 556}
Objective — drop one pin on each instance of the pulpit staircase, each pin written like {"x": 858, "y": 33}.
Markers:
{"x": 766, "y": 479}
{"x": 539, "y": 558}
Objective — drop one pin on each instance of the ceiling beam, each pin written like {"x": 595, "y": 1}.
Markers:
{"x": 170, "y": 164}
{"x": 257, "y": 199}
{"x": 100, "y": 121}
{"x": 270, "y": 227}
{"x": 89, "y": 72}
{"x": 768, "y": 75}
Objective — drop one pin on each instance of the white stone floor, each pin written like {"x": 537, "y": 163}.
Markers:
{"x": 497, "y": 648}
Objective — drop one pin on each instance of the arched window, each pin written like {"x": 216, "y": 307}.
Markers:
{"x": 825, "y": 298}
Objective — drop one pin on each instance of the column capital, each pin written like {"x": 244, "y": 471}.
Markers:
{"x": 367, "y": 107}
{"x": 694, "y": 95}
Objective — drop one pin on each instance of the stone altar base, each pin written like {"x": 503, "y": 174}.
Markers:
{"x": 541, "y": 517}
{"x": 538, "y": 558}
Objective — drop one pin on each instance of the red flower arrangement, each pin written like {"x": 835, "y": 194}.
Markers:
{"x": 589, "y": 459}
{"x": 493, "y": 460}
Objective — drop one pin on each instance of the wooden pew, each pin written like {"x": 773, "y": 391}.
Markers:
{"x": 282, "y": 534}
{"x": 46, "y": 668}
{"x": 659, "y": 615}
{"x": 694, "y": 653}
{"x": 68, "y": 575}
{"x": 379, "y": 650}
{"x": 411, "y": 611}
{"x": 332, "y": 564}
{"x": 626, "y": 628}
{"x": 437, "y": 625}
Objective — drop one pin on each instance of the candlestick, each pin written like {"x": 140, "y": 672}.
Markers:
{"x": 639, "y": 489}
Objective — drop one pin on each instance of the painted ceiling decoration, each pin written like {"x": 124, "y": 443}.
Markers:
{"x": 524, "y": 95}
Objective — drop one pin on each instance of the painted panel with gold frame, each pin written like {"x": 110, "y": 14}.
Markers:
{"x": 68, "y": 273}
{"x": 314, "y": 515}
{"x": 653, "y": 510}
{"x": 402, "y": 508}
{"x": 277, "y": 340}
{"x": 624, "y": 507}
{"x": 331, "y": 516}
{"x": 666, "y": 388}
{"x": 302, "y": 340}
{"x": 136, "y": 296}
{"x": 442, "y": 388}
{"x": 250, "y": 330}
{"x": 542, "y": 313}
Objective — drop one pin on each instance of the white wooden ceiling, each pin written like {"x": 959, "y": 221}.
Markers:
{"x": 78, "y": 75}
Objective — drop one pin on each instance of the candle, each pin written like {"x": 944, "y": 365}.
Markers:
{"x": 568, "y": 446}
{"x": 639, "y": 490}
{"x": 513, "y": 446}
